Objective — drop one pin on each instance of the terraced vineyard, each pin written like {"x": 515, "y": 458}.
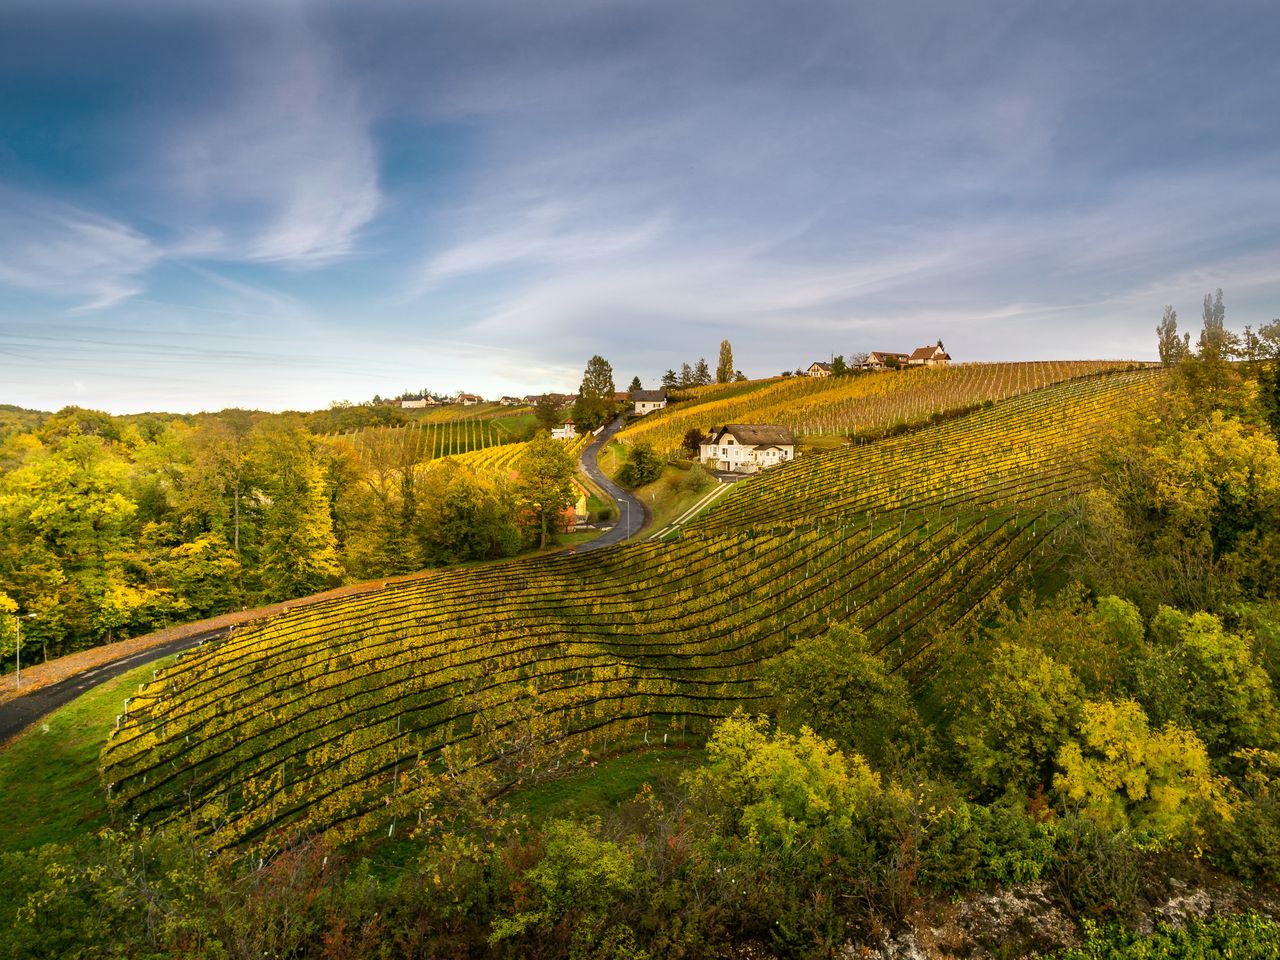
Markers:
{"x": 861, "y": 404}
{"x": 505, "y": 458}
{"x": 324, "y": 718}
{"x": 429, "y": 439}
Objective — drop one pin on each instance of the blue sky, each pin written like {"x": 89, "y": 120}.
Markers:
{"x": 284, "y": 204}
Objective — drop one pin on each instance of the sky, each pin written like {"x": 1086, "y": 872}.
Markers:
{"x": 281, "y": 205}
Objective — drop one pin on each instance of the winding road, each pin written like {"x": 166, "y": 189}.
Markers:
{"x": 19, "y": 712}
{"x": 632, "y": 514}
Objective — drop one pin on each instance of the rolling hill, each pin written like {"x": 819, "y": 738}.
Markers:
{"x": 328, "y": 718}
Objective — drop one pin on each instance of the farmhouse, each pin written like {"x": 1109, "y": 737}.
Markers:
{"x": 747, "y": 447}
{"x": 933, "y": 356}
{"x": 469, "y": 399}
{"x": 883, "y": 359}
{"x": 647, "y": 401}
{"x": 818, "y": 369}
{"x": 567, "y": 431}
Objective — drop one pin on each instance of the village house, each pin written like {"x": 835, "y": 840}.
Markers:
{"x": 469, "y": 399}
{"x": 884, "y": 359}
{"x": 566, "y": 431}
{"x": 747, "y": 447}
{"x": 647, "y": 401}
{"x": 818, "y": 369}
{"x": 933, "y": 356}
{"x": 510, "y": 401}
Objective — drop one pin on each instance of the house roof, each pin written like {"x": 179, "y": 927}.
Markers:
{"x": 882, "y": 355}
{"x": 820, "y": 365}
{"x": 649, "y": 396}
{"x": 758, "y": 435}
{"x": 929, "y": 353}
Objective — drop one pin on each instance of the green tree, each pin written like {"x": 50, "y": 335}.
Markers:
{"x": 838, "y": 367}
{"x": 1099, "y": 642}
{"x": 669, "y": 379}
{"x": 595, "y": 402}
{"x": 1186, "y": 512}
{"x": 1126, "y": 776}
{"x": 643, "y": 465}
{"x": 548, "y": 412}
{"x": 298, "y": 553}
{"x": 1172, "y": 347}
{"x": 782, "y": 791}
{"x": 636, "y": 386}
{"x": 473, "y": 520}
{"x": 1200, "y": 675}
{"x": 545, "y": 485}
{"x": 701, "y": 373}
{"x": 1013, "y": 717}
{"x": 687, "y": 378}
{"x": 64, "y": 534}
{"x": 835, "y": 685}
{"x": 724, "y": 369}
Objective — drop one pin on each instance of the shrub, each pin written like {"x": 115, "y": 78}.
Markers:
{"x": 1098, "y": 870}
{"x": 1244, "y": 937}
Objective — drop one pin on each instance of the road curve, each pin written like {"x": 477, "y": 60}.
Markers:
{"x": 632, "y": 515}
{"x": 20, "y": 712}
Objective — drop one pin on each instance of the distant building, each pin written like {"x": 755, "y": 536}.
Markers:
{"x": 417, "y": 404}
{"x": 510, "y": 401}
{"x": 819, "y": 369}
{"x": 883, "y": 359}
{"x": 933, "y": 356}
{"x": 747, "y": 447}
{"x": 647, "y": 401}
{"x": 566, "y": 431}
{"x": 469, "y": 399}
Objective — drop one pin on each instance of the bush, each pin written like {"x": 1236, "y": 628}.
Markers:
{"x": 1244, "y": 937}
{"x": 643, "y": 466}
{"x": 1249, "y": 846}
{"x": 1097, "y": 870}
{"x": 968, "y": 846}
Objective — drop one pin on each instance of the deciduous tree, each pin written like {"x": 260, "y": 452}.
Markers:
{"x": 724, "y": 369}
{"x": 545, "y": 485}
{"x": 594, "y": 406}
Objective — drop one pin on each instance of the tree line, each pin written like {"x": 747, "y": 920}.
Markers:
{"x": 111, "y": 527}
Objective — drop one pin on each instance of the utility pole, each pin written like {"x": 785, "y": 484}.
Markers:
{"x": 17, "y": 648}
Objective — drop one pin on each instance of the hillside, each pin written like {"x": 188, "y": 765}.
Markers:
{"x": 324, "y": 719}
{"x": 862, "y": 405}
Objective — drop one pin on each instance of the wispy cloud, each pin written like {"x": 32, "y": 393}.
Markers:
{"x": 285, "y": 169}
{"x": 53, "y": 247}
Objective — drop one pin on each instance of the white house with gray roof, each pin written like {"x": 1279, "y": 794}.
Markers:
{"x": 747, "y": 447}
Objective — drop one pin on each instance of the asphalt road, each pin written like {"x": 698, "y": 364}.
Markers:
{"x": 19, "y": 713}
{"x": 632, "y": 513}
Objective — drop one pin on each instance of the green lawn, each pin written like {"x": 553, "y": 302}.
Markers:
{"x": 598, "y": 789}
{"x": 49, "y": 774}
{"x": 668, "y": 497}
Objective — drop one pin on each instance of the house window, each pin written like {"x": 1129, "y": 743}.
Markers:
{"x": 724, "y": 452}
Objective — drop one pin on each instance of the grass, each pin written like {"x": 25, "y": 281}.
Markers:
{"x": 50, "y": 772}
{"x": 574, "y": 539}
{"x": 669, "y": 496}
{"x": 609, "y": 784}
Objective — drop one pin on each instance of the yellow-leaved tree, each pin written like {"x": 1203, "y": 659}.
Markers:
{"x": 1126, "y": 776}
